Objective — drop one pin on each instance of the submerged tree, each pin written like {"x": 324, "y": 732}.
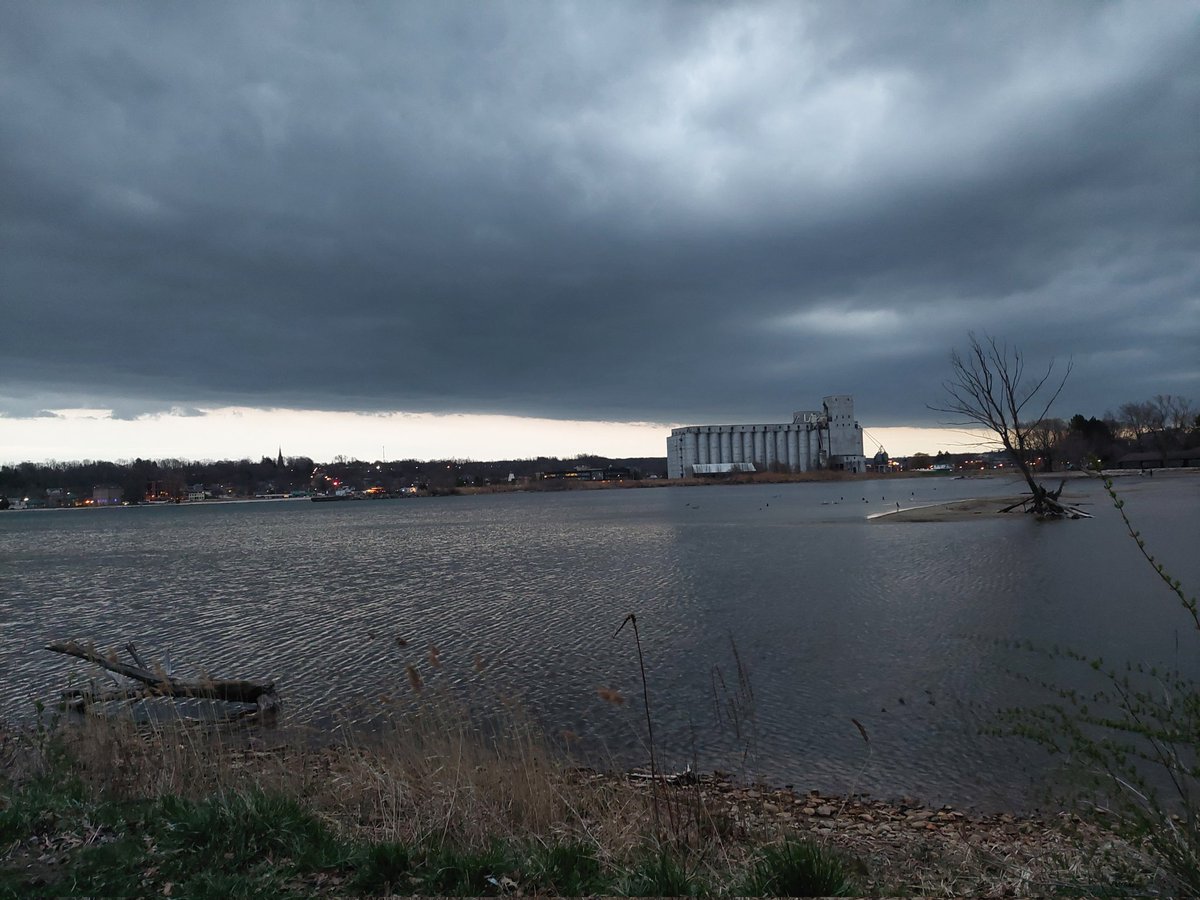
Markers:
{"x": 989, "y": 387}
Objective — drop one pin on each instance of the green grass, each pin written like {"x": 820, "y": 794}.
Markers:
{"x": 570, "y": 870}
{"x": 40, "y": 806}
{"x": 384, "y": 868}
{"x": 798, "y": 869}
{"x": 254, "y": 844}
{"x": 461, "y": 873}
{"x": 61, "y": 836}
{"x": 659, "y": 875}
{"x": 241, "y": 845}
{"x": 243, "y": 830}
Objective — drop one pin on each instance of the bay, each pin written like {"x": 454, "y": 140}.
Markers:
{"x": 830, "y": 619}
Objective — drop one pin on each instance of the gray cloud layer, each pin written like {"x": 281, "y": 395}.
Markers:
{"x": 662, "y": 212}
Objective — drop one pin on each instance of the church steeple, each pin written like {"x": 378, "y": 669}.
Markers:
{"x": 279, "y": 459}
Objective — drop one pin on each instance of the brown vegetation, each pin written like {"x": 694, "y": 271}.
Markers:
{"x": 434, "y": 777}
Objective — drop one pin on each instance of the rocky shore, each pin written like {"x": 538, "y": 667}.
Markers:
{"x": 908, "y": 849}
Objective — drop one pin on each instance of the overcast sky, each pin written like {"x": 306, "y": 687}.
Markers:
{"x": 621, "y": 212}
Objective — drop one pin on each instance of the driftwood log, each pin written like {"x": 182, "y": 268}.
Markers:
{"x": 1046, "y": 503}
{"x": 157, "y": 683}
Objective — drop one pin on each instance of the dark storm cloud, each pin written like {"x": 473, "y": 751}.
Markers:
{"x": 626, "y": 211}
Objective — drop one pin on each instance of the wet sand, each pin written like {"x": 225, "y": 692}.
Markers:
{"x": 954, "y": 511}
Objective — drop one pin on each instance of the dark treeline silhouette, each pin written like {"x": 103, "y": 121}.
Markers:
{"x": 1155, "y": 428}
{"x": 57, "y": 483}
{"x": 1159, "y": 432}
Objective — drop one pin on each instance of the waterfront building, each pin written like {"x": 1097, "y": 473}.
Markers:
{"x": 585, "y": 473}
{"x": 107, "y": 495}
{"x": 828, "y": 438}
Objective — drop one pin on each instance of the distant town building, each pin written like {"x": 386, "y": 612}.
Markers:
{"x": 587, "y": 473}
{"x": 828, "y": 438}
{"x": 106, "y": 495}
{"x": 1161, "y": 459}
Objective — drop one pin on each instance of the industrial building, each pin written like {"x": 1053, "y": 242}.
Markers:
{"x": 828, "y": 438}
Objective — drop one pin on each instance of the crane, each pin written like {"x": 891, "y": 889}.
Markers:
{"x": 874, "y": 440}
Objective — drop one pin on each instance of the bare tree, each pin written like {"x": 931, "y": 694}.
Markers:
{"x": 1137, "y": 420}
{"x": 1173, "y": 413}
{"x": 1048, "y": 438}
{"x": 989, "y": 388}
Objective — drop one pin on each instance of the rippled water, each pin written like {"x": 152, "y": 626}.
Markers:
{"x": 834, "y": 618}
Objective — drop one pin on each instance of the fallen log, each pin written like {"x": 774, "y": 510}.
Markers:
{"x": 133, "y": 654}
{"x": 159, "y": 684}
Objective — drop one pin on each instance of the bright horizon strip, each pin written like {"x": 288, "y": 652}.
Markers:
{"x": 245, "y": 433}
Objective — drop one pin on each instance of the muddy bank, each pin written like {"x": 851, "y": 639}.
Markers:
{"x": 954, "y": 511}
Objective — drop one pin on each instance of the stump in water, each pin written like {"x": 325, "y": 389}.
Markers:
{"x": 153, "y": 683}
{"x": 1045, "y": 503}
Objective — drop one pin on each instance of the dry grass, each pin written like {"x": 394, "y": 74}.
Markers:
{"x": 435, "y": 776}
{"x": 430, "y": 773}
{"x": 427, "y": 778}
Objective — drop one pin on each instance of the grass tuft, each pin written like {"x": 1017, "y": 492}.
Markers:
{"x": 242, "y": 829}
{"x": 659, "y": 875}
{"x": 798, "y": 869}
{"x": 237, "y": 845}
{"x": 566, "y": 870}
{"x": 40, "y": 806}
{"x": 452, "y": 872}
{"x": 383, "y": 869}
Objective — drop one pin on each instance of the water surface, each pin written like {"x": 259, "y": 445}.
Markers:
{"x": 833, "y": 618}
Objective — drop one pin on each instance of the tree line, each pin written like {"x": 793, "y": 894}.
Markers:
{"x": 69, "y": 483}
{"x": 991, "y": 386}
{"x": 1159, "y": 425}
{"x": 142, "y": 479}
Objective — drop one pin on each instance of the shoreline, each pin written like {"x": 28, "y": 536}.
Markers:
{"x": 775, "y": 478}
{"x": 435, "y": 792}
{"x": 926, "y": 848}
